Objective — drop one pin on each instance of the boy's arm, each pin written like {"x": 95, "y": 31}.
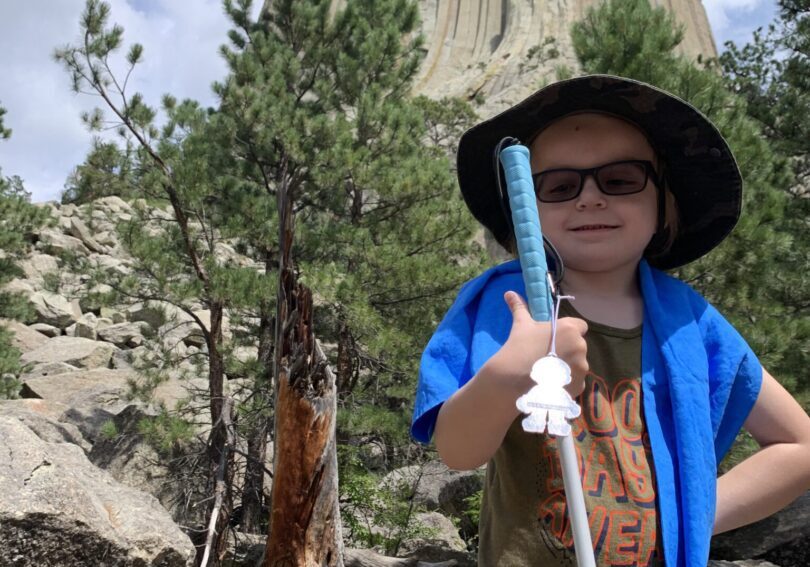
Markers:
{"x": 473, "y": 422}
{"x": 779, "y": 472}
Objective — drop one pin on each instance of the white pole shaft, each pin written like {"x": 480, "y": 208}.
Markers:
{"x": 575, "y": 500}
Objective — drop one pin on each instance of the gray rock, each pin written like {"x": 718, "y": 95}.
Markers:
{"x": 90, "y": 301}
{"x": 80, "y": 231}
{"x": 47, "y": 330}
{"x": 156, "y": 313}
{"x": 42, "y": 417}
{"x": 113, "y": 315}
{"x": 789, "y": 524}
{"x": 18, "y": 285}
{"x": 53, "y": 309}
{"x": 85, "y": 327}
{"x": 57, "y": 508}
{"x": 48, "y": 369}
{"x": 369, "y": 558}
{"x": 92, "y": 396}
{"x": 68, "y": 210}
{"x": 54, "y": 241}
{"x": 23, "y": 338}
{"x": 112, "y": 263}
{"x": 112, "y": 204}
{"x": 436, "y": 487}
{"x": 76, "y": 351}
{"x": 442, "y": 543}
{"x": 132, "y": 461}
{"x": 37, "y": 265}
{"x": 124, "y": 334}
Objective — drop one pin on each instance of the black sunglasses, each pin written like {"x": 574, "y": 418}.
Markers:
{"x": 615, "y": 178}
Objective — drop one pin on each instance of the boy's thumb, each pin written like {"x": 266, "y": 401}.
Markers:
{"x": 517, "y": 305}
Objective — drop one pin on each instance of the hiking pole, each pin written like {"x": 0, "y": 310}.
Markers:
{"x": 529, "y": 238}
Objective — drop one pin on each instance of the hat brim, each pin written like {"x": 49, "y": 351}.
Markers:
{"x": 701, "y": 171}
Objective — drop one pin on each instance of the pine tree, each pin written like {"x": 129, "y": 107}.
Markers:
{"x": 178, "y": 255}
{"x": 745, "y": 275}
{"x": 18, "y": 219}
{"x": 772, "y": 73}
{"x": 107, "y": 170}
{"x": 323, "y": 126}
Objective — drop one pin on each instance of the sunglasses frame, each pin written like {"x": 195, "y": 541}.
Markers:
{"x": 649, "y": 171}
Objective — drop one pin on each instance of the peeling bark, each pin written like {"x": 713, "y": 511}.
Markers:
{"x": 305, "y": 515}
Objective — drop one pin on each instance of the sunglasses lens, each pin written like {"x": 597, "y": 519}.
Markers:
{"x": 622, "y": 178}
{"x": 556, "y": 186}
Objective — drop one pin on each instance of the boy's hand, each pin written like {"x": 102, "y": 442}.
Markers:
{"x": 530, "y": 340}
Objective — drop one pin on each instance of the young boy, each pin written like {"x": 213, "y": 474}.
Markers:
{"x": 628, "y": 179}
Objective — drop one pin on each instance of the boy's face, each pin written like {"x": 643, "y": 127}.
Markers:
{"x": 595, "y": 232}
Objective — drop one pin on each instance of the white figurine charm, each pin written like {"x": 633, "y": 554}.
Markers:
{"x": 547, "y": 401}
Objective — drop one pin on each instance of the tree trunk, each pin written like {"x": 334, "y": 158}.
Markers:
{"x": 346, "y": 375}
{"x": 253, "y": 513}
{"x": 219, "y": 453}
{"x": 305, "y": 515}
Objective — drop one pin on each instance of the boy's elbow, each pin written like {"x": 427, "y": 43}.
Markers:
{"x": 455, "y": 458}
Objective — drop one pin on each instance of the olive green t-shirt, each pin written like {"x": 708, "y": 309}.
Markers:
{"x": 523, "y": 512}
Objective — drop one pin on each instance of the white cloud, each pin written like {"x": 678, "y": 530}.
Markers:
{"x": 181, "y": 56}
{"x": 736, "y": 20}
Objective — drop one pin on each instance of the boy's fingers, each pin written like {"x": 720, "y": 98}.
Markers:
{"x": 576, "y": 323}
{"x": 516, "y": 305}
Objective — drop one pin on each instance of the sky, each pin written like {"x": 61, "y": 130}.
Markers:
{"x": 181, "y": 42}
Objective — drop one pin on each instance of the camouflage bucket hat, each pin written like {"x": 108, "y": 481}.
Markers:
{"x": 701, "y": 172}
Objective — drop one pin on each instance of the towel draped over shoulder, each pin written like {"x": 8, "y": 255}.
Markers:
{"x": 700, "y": 380}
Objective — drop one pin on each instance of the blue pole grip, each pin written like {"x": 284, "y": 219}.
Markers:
{"x": 528, "y": 233}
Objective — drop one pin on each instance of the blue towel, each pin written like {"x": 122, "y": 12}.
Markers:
{"x": 700, "y": 380}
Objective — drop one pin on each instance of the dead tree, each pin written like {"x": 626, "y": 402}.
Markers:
{"x": 305, "y": 515}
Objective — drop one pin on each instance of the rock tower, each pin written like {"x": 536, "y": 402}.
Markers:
{"x": 481, "y": 46}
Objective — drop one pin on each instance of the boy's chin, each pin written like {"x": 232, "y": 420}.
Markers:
{"x": 601, "y": 262}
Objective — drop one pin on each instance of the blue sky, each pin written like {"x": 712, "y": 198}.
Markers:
{"x": 181, "y": 41}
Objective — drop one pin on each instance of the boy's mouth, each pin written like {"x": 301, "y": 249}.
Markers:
{"x": 586, "y": 227}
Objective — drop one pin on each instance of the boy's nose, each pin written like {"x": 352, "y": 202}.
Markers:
{"x": 591, "y": 195}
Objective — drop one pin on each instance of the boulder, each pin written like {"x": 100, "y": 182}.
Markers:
{"x": 76, "y": 351}
{"x": 436, "y": 487}
{"x": 369, "y": 558}
{"x": 45, "y": 329}
{"x": 53, "y": 241}
{"x": 132, "y": 461}
{"x": 156, "y": 313}
{"x": 48, "y": 369}
{"x": 68, "y": 210}
{"x": 93, "y": 397}
{"x": 57, "y": 508}
{"x": 789, "y": 524}
{"x": 53, "y": 309}
{"x": 112, "y": 204}
{"x": 440, "y": 542}
{"x": 124, "y": 334}
{"x": 92, "y": 300}
{"x": 80, "y": 231}
{"x": 85, "y": 327}
{"x": 23, "y": 338}
{"x": 111, "y": 263}
{"x": 18, "y": 285}
{"x": 42, "y": 418}
{"x": 37, "y": 265}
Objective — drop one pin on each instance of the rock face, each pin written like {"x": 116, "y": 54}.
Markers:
{"x": 56, "y": 508}
{"x": 789, "y": 524}
{"x": 483, "y": 46}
